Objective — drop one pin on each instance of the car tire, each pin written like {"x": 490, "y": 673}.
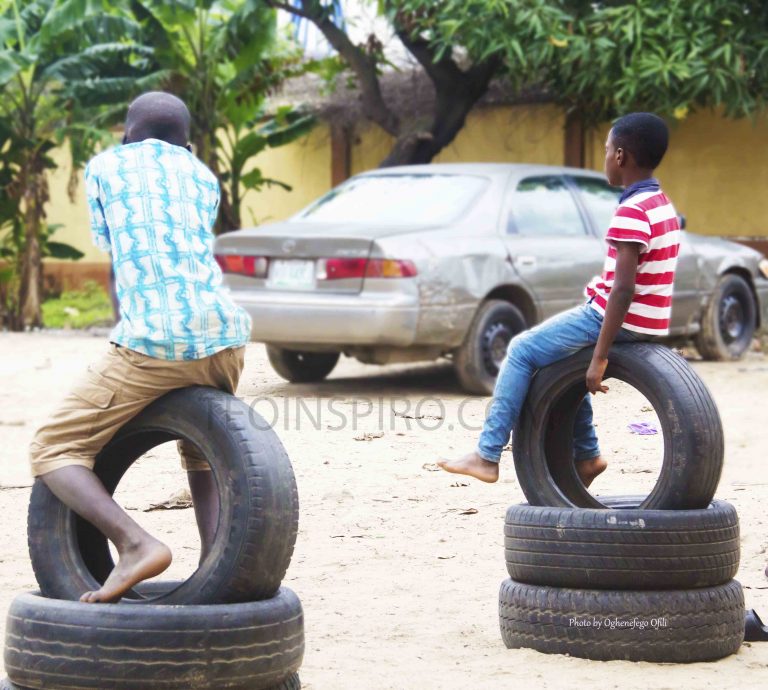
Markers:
{"x": 484, "y": 348}
{"x": 673, "y": 626}
{"x": 69, "y": 645}
{"x": 302, "y": 367}
{"x": 258, "y": 519}
{"x": 622, "y": 548}
{"x": 693, "y": 433}
{"x": 729, "y": 321}
{"x": 293, "y": 682}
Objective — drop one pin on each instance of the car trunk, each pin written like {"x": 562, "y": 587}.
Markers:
{"x": 300, "y": 257}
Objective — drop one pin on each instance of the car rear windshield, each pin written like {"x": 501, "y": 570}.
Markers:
{"x": 395, "y": 199}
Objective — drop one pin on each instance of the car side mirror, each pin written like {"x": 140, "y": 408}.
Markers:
{"x": 682, "y": 221}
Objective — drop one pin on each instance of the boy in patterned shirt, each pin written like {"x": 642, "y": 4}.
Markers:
{"x": 632, "y": 300}
{"x": 152, "y": 206}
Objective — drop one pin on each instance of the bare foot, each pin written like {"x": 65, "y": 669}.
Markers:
{"x": 138, "y": 562}
{"x": 473, "y": 466}
{"x": 589, "y": 469}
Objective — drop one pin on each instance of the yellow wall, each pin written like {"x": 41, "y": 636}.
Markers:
{"x": 524, "y": 134}
{"x": 305, "y": 165}
{"x": 714, "y": 170}
{"x": 73, "y": 216}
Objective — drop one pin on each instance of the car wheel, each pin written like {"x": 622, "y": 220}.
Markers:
{"x": 478, "y": 359}
{"x": 302, "y": 367}
{"x": 677, "y": 626}
{"x": 729, "y": 321}
{"x": 622, "y": 548}
{"x": 258, "y": 518}
{"x": 691, "y": 427}
{"x": 69, "y": 645}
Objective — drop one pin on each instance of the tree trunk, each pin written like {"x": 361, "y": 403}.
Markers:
{"x": 205, "y": 146}
{"x": 31, "y": 287}
{"x": 573, "y": 155}
{"x": 451, "y": 110}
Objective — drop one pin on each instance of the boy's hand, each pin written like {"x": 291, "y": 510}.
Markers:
{"x": 595, "y": 375}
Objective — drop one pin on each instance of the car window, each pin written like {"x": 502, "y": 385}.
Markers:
{"x": 394, "y": 199}
{"x": 600, "y": 199}
{"x": 544, "y": 206}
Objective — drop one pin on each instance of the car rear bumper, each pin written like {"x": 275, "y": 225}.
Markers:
{"x": 285, "y": 318}
{"x": 761, "y": 288}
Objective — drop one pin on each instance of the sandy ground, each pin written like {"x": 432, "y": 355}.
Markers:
{"x": 398, "y": 565}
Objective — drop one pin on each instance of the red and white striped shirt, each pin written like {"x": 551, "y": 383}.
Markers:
{"x": 649, "y": 219}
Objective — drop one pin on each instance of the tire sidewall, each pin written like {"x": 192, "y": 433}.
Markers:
{"x": 62, "y": 545}
{"x": 686, "y": 439}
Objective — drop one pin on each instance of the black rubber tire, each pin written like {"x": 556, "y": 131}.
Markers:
{"x": 258, "y": 520}
{"x": 292, "y": 682}
{"x": 693, "y": 433}
{"x": 474, "y": 365}
{"x": 691, "y": 625}
{"x": 72, "y": 646}
{"x": 713, "y": 341}
{"x": 302, "y": 367}
{"x": 623, "y": 548}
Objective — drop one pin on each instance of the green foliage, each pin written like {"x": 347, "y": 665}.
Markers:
{"x": 62, "y": 64}
{"x": 90, "y": 306}
{"x": 606, "y": 58}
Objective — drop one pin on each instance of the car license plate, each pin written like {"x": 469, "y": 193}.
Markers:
{"x": 292, "y": 274}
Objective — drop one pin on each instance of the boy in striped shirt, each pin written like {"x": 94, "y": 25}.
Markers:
{"x": 631, "y": 300}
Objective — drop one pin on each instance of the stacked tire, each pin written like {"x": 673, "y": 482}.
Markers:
{"x": 230, "y": 625}
{"x": 612, "y": 578}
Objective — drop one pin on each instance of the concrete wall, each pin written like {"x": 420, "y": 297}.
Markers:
{"x": 714, "y": 170}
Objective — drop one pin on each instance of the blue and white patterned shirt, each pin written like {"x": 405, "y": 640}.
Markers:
{"x": 152, "y": 207}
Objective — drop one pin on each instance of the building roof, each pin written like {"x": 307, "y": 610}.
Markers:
{"x": 408, "y": 92}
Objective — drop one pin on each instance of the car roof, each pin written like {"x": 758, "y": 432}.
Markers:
{"x": 516, "y": 170}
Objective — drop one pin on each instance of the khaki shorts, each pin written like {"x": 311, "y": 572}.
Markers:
{"x": 112, "y": 392}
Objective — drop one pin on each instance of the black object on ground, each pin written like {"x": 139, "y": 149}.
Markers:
{"x": 661, "y": 626}
{"x": 754, "y": 628}
{"x": 64, "y": 644}
{"x": 693, "y": 433}
{"x": 622, "y": 548}
{"x": 258, "y": 521}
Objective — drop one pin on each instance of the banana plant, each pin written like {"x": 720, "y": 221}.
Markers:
{"x": 63, "y": 65}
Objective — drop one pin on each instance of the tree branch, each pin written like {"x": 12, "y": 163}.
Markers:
{"x": 362, "y": 64}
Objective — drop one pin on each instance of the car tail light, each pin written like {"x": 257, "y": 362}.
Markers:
{"x": 253, "y": 266}
{"x": 337, "y": 269}
{"x": 390, "y": 268}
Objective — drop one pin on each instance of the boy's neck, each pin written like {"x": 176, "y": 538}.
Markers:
{"x": 630, "y": 177}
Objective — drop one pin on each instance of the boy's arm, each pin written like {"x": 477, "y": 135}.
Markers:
{"x": 622, "y": 292}
{"x": 99, "y": 229}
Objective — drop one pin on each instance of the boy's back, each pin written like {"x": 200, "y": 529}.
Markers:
{"x": 153, "y": 206}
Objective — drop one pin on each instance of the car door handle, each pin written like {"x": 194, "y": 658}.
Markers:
{"x": 525, "y": 261}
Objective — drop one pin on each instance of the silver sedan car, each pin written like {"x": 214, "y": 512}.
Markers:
{"x": 421, "y": 262}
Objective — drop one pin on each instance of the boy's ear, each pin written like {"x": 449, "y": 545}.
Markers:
{"x": 621, "y": 157}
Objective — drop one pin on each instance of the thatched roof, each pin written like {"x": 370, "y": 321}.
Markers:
{"x": 409, "y": 93}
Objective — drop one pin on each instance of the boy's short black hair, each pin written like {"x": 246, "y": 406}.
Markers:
{"x": 158, "y": 115}
{"x": 644, "y": 135}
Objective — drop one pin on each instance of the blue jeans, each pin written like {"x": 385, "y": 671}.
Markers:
{"x": 549, "y": 342}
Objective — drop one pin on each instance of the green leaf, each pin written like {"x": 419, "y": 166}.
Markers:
{"x": 60, "y": 250}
